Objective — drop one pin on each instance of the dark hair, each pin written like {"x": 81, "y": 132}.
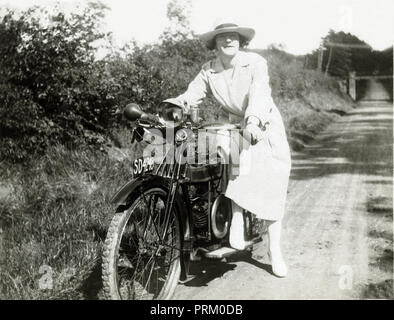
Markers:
{"x": 243, "y": 42}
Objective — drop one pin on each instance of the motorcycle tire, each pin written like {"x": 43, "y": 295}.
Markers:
{"x": 139, "y": 262}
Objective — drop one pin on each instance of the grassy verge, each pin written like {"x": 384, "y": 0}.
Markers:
{"x": 53, "y": 219}
{"x": 307, "y": 100}
{"x": 380, "y": 244}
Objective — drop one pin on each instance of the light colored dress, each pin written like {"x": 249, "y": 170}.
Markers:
{"x": 261, "y": 184}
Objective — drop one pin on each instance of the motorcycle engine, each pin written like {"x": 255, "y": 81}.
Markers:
{"x": 220, "y": 212}
{"x": 199, "y": 194}
{"x": 200, "y": 214}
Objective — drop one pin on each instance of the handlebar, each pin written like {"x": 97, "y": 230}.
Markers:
{"x": 134, "y": 113}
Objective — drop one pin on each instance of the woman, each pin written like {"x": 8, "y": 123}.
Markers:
{"x": 239, "y": 81}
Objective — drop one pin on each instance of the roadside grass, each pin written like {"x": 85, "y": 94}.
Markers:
{"x": 380, "y": 242}
{"x": 54, "y": 221}
{"x": 307, "y": 100}
{"x": 309, "y": 115}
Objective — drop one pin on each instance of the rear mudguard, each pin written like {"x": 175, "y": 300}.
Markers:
{"x": 120, "y": 199}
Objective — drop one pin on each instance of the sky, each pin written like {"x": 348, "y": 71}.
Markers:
{"x": 298, "y": 25}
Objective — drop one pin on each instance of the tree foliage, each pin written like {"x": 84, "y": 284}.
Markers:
{"x": 51, "y": 87}
{"x": 352, "y": 54}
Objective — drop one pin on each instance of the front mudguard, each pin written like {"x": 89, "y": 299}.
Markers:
{"x": 120, "y": 199}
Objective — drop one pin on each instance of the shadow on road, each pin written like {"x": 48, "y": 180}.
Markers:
{"x": 206, "y": 270}
{"x": 246, "y": 256}
{"x": 360, "y": 143}
{"x": 373, "y": 89}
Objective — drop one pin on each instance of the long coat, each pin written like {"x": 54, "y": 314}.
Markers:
{"x": 261, "y": 185}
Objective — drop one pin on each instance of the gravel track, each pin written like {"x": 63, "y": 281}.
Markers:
{"x": 338, "y": 229}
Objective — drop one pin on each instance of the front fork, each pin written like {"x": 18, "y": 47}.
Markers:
{"x": 185, "y": 228}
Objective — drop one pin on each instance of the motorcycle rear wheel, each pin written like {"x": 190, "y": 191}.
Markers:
{"x": 139, "y": 261}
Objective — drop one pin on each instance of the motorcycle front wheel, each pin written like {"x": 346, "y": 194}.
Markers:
{"x": 141, "y": 261}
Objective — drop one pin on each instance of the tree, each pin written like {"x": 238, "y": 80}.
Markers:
{"x": 338, "y": 60}
{"x": 344, "y": 52}
{"x": 178, "y": 14}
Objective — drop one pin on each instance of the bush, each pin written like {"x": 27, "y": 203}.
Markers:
{"x": 51, "y": 89}
{"x": 150, "y": 74}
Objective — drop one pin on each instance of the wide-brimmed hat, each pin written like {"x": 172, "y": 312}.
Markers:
{"x": 209, "y": 37}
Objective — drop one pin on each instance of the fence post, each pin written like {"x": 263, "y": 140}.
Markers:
{"x": 320, "y": 58}
{"x": 328, "y": 62}
{"x": 352, "y": 85}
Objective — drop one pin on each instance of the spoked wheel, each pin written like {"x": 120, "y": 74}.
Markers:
{"x": 141, "y": 260}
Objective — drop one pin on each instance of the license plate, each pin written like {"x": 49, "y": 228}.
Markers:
{"x": 143, "y": 165}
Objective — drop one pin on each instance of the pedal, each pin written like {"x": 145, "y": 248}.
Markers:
{"x": 224, "y": 252}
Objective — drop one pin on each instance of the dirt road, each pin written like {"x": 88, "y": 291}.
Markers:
{"x": 338, "y": 229}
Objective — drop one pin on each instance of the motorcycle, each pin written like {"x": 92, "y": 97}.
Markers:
{"x": 171, "y": 213}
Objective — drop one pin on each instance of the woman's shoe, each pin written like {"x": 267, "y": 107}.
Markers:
{"x": 237, "y": 240}
{"x": 279, "y": 267}
{"x": 236, "y": 237}
{"x": 240, "y": 244}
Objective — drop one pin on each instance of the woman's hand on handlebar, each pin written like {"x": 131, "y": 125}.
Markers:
{"x": 255, "y": 131}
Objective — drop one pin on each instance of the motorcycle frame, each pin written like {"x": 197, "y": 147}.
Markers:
{"x": 177, "y": 191}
